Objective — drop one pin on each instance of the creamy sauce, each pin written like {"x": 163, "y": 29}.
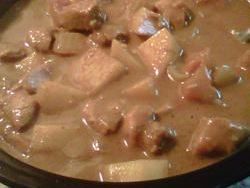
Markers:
{"x": 211, "y": 29}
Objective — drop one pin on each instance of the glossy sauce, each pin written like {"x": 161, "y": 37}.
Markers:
{"x": 211, "y": 28}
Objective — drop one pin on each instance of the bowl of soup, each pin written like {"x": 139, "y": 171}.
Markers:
{"x": 105, "y": 93}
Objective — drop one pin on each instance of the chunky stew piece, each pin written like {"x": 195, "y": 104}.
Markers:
{"x": 158, "y": 138}
{"x": 105, "y": 122}
{"x": 52, "y": 137}
{"x": 141, "y": 128}
{"x": 124, "y": 90}
{"x": 39, "y": 39}
{"x": 69, "y": 43}
{"x": 95, "y": 70}
{"x": 53, "y": 96}
{"x": 159, "y": 51}
{"x": 20, "y": 109}
{"x": 139, "y": 170}
{"x": 77, "y": 14}
{"x": 199, "y": 87}
{"x": 121, "y": 52}
{"x": 134, "y": 123}
{"x": 217, "y": 136}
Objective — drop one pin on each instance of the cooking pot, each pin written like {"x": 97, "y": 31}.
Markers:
{"x": 234, "y": 168}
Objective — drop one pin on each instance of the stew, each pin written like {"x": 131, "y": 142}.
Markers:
{"x": 124, "y": 90}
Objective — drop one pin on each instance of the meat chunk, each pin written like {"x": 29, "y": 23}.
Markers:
{"x": 177, "y": 12}
{"x": 21, "y": 109}
{"x": 142, "y": 90}
{"x": 104, "y": 119}
{"x": 199, "y": 87}
{"x": 140, "y": 170}
{"x": 69, "y": 43}
{"x": 144, "y": 22}
{"x": 158, "y": 138}
{"x": 216, "y": 136}
{"x": 10, "y": 53}
{"x": 76, "y": 14}
{"x": 95, "y": 70}
{"x": 159, "y": 51}
{"x": 54, "y": 96}
{"x": 135, "y": 122}
{"x": 142, "y": 129}
{"x": 40, "y": 39}
{"x": 121, "y": 52}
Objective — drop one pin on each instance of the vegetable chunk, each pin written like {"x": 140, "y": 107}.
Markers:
{"x": 95, "y": 70}
{"x": 49, "y": 138}
{"x": 104, "y": 121}
{"x": 216, "y": 136}
{"x": 69, "y": 43}
{"x": 76, "y": 14}
{"x": 40, "y": 39}
{"x": 140, "y": 170}
{"x": 142, "y": 129}
{"x": 121, "y": 52}
{"x": 53, "y": 97}
{"x": 199, "y": 87}
{"x": 159, "y": 51}
{"x": 158, "y": 138}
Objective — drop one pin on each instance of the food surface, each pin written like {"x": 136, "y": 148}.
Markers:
{"x": 124, "y": 90}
